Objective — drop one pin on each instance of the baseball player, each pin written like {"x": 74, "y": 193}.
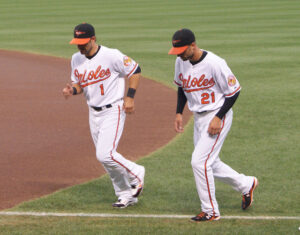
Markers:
{"x": 210, "y": 88}
{"x": 99, "y": 73}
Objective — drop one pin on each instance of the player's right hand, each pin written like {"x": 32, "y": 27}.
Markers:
{"x": 67, "y": 91}
{"x": 178, "y": 123}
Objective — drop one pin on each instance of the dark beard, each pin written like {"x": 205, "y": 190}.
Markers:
{"x": 190, "y": 57}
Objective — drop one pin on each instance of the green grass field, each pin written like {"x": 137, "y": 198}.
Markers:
{"x": 260, "y": 42}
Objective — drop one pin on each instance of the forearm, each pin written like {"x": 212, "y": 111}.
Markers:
{"x": 181, "y": 100}
{"x": 128, "y": 105}
{"x": 133, "y": 84}
{"x": 228, "y": 103}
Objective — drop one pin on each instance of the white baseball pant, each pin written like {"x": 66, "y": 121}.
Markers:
{"x": 106, "y": 129}
{"x": 206, "y": 163}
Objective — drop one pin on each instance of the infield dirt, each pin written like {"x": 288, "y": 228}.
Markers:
{"x": 45, "y": 143}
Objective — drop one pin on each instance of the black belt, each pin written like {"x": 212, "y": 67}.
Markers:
{"x": 102, "y": 108}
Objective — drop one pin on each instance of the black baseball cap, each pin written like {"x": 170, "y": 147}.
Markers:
{"x": 82, "y": 34}
{"x": 181, "y": 40}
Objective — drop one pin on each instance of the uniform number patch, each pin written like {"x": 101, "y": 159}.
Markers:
{"x": 102, "y": 89}
{"x": 208, "y": 98}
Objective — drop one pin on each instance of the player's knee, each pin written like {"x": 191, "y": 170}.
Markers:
{"x": 103, "y": 156}
{"x": 195, "y": 162}
{"x": 199, "y": 167}
{"x": 198, "y": 162}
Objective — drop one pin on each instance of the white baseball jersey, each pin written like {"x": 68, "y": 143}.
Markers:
{"x": 102, "y": 77}
{"x": 207, "y": 83}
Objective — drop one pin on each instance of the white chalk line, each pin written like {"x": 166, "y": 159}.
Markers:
{"x": 107, "y": 215}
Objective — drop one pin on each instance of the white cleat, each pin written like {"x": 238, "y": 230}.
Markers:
{"x": 124, "y": 202}
{"x": 138, "y": 188}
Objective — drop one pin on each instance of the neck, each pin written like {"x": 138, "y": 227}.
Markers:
{"x": 93, "y": 50}
{"x": 197, "y": 55}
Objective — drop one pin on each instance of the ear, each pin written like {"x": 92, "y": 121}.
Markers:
{"x": 93, "y": 38}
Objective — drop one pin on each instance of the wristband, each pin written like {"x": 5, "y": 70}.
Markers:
{"x": 131, "y": 92}
{"x": 74, "y": 90}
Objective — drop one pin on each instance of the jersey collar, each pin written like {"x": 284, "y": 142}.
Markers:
{"x": 201, "y": 58}
{"x": 91, "y": 57}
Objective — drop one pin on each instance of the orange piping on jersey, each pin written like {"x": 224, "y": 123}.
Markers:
{"x": 114, "y": 145}
{"x": 207, "y": 183}
{"x": 198, "y": 89}
{"x": 177, "y": 83}
{"x": 231, "y": 94}
{"x": 129, "y": 75}
{"x": 91, "y": 83}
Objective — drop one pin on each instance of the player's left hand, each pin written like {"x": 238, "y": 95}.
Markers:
{"x": 215, "y": 126}
{"x": 128, "y": 105}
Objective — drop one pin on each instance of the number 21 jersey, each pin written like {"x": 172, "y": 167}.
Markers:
{"x": 207, "y": 83}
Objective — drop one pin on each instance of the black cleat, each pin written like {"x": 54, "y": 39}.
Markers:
{"x": 203, "y": 217}
{"x": 248, "y": 197}
{"x": 136, "y": 190}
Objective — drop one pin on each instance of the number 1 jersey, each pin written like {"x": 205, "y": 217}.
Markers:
{"x": 102, "y": 77}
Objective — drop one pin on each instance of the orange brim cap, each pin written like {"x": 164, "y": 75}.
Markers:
{"x": 80, "y": 41}
{"x": 177, "y": 50}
